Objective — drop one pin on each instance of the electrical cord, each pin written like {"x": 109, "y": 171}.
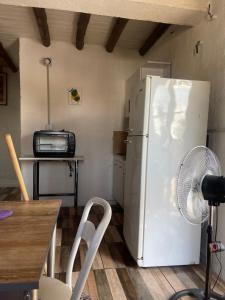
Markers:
{"x": 71, "y": 169}
{"x": 220, "y": 271}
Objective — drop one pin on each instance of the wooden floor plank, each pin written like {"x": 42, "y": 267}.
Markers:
{"x": 68, "y": 223}
{"x": 115, "y": 285}
{"x": 159, "y": 288}
{"x": 163, "y": 282}
{"x": 61, "y": 276}
{"x": 116, "y": 255}
{"x": 195, "y": 277}
{"x": 174, "y": 281}
{"x": 92, "y": 287}
{"x": 72, "y": 212}
{"x": 65, "y": 253}
{"x": 139, "y": 284}
{"x": 117, "y": 219}
{"x": 58, "y": 268}
{"x": 112, "y": 235}
{"x": 82, "y": 250}
{"x": 127, "y": 284}
{"x": 68, "y": 236}
{"x": 107, "y": 260}
{"x": 127, "y": 258}
{"x": 172, "y": 278}
{"x": 58, "y": 237}
{"x": 103, "y": 288}
{"x": 184, "y": 278}
{"x": 97, "y": 263}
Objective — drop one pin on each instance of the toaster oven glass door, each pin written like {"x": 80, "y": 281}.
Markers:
{"x": 52, "y": 144}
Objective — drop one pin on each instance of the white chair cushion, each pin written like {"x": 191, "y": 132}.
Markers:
{"x": 53, "y": 289}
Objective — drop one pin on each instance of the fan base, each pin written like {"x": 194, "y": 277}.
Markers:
{"x": 196, "y": 294}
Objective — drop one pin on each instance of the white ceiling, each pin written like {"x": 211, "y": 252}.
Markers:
{"x": 180, "y": 12}
{"x": 18, "y": 22}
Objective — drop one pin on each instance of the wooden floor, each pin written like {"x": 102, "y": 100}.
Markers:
{"x": 114, "y": 274}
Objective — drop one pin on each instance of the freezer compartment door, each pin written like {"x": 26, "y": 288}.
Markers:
{"x": 139, "y": 108}
{"x": 135, "y": 195}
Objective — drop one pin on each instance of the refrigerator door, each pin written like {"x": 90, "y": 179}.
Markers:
{"x": 139, "y": 108}
{"x": 178, "y": 122}
{"x": 135, "y": 194}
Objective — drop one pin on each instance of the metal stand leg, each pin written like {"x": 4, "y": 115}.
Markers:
{"x": 196, "y": 294}
{"x": 204, "y": 294}
{"x": 36, "y": 180}
{"x": 51, "y": 256}
{"x": 75, "y": 183}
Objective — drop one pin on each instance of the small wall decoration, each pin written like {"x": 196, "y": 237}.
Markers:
{"x": 3, "y": 88}
{"x": 74, "y": 96}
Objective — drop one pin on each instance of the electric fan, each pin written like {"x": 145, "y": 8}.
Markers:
{"x": 200, "y": 188}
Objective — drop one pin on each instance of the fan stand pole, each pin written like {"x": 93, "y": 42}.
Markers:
{"x": 208, "y": 262}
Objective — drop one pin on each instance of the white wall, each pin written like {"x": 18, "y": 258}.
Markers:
{"x": 102, "y": 78}
{"x": 10, "y": 120}
{"x": 209, "y": 64}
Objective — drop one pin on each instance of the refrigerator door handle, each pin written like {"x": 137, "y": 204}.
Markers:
{"x": 127, "y": 141}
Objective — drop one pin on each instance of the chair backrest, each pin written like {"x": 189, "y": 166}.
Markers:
{"x": 16, "y": 166}
{"x": 93, "y": 237}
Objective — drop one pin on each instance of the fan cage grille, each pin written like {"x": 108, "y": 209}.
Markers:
{"x": 197, "y": 163}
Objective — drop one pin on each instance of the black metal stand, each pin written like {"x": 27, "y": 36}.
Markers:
{"x": 196, "y": 294}
{"x": 204, "y": 294}
{"x": 36, "y": 193}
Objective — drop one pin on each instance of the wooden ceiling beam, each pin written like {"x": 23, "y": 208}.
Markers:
{"x": 116, "y": 32}
{"x": 153, "y": 38}
{"x": 7, "y": 59}
{"x": 42, "y": 23}
{"x": 82, "y": 25}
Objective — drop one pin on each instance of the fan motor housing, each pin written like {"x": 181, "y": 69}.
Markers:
{"x": 213, "y": 189}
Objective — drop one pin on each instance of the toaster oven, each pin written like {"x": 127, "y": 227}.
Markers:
{"x": 54, "y": 143}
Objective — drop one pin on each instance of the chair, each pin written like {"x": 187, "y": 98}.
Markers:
{"x": 16, "y": 166}
{"x": 53, "y": 289}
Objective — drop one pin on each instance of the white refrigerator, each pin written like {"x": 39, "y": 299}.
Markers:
{"x": 168, "y": 117}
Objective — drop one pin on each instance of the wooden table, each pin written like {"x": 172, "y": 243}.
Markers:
{"x": 36, "y": 166}
{"x": 25, "y": 238}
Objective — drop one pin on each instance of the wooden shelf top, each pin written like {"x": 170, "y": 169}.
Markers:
{"x": 33, "y": 158}
{"x": 25, "y": 239}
